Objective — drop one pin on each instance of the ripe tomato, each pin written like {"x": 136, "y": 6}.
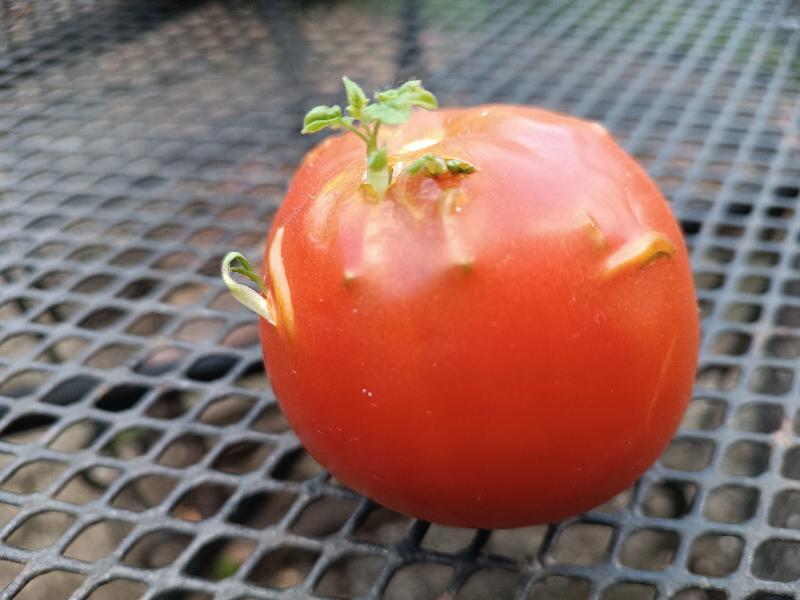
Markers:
{"x": 492, "y": 350}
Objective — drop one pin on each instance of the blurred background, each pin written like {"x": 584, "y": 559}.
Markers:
{"x": 142, "y": 454}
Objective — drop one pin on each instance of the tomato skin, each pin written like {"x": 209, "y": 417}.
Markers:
{"x": 493, "y": 363}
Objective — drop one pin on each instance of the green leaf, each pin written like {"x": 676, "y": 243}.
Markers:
{"x": 387, "y": 113}
{"x": 320, "y": 117}
{"x": 355, "y": 96}
{"x": 411, "y": 93}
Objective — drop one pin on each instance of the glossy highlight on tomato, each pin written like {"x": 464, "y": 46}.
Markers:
{"x": 497, "y": 349}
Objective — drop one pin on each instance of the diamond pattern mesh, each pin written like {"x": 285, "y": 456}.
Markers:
{"x": 141, "y": 450}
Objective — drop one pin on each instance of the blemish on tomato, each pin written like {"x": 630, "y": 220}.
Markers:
{"x": 639, "y": 252}
{"x": 451, "y": 202}
{"x": 593, "y": 230}
{"x": 418, "y": 145}
{"x": 280, "y": 283}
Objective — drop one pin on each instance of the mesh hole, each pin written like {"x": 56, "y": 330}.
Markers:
{"x": 58, "y": 313}
{"x": 582, "y": 544}
{"x": 242, "y": 457}
{"x": 753, "y": 284}
{"x": 53, "y": 584}
{"x": 98, "y": 540}
{"x": 157, "y": 549}
{"x": 758, "y": 417}
{"x": 119, "y": 589}
{"x": 296, "y": 465}
{"x": 70, "y": 391}
{"x": 777, "y": 560}
{"x": 51, "y": 280}
{"x": 138, "y": 289}
{"x": 746, "y": 458}
{"x": 15, "y": 308}
{"x": 24, "y": 383}
{"x": 144, "y": 492}
{"x": 629, "y": 591}
{"x": 220, "y": 559}
{"x": 19, "y": 344}
{"x": 418, "y": 581}
{"x": 270, "y": 420}
{"x": 27, "y": 428}
{"x": 718, "y": 377}
{"x": 785, "y": 510}
{"x": 489, "y": 583}
{"x": 211, "y": 368}
{"x": 186, "y": 294}
{"x": 671, "y": 499}
{"x": 198, "y": 330}
{"x": 788, "y": 316}
{"x": 174, "y": 260}
{"x": 102, "y": 318}
{"x": 243, "y": 336}
{"x": 187, "y": 450}
{"x": 715, "y": 555}
{"x": 149, "y": 324}
{"x": 40, "y": 530}
{"x": 201, "y": 502}
{"x": 283, "y": 567}
{"x": 451, "y": 540}
{"x": 557, "y": 587}
{"x": 350, "y": 576}
{"x": 791, "y": 463}
{"x": 227, "y": 410}
{"x": 131, "y": 442}
{"x": 112, "y": 356}
{"x": 739, "y": 312}
{"x": 93, "y": 284}
{"x": 709, "y": 281}
{"x": 88, "y": 485}
{"x": 161, "y": 360}
{"x": 78, "y": 436}
{"x": 782, "y": 346}
{"x": 731, "y": 504}
{"x": 649, "y": 549}
{"x": 774, "y": 381}
{"x": 720, "y": 255}
{"x": 262, "y": 509}
{"x": 63, "y": 350}
{"x": 254, "y": 377}
{"x": 383, "y": 526}
{"x": 173, "y": 403}
{"x": 323, "y": 517}
{"x": 688, "y": 454}
{"x": 763, "y": 258}
{"x": 732, "y": 343}
{"x": 132, "y": 257}
{"x": 704, "y": 413}
{"x": 33, "y": 477}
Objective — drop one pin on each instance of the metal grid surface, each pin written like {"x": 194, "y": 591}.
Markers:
{"x": 142, "y": 452}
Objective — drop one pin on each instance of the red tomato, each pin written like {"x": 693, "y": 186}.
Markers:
{"x": 493, "y": 350}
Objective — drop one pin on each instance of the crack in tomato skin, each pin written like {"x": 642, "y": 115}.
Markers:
{"x": 639, "y": 252}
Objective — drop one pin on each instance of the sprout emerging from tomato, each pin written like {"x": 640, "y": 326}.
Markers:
{"x": 487, "y": 319}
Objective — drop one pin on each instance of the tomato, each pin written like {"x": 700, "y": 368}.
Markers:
{"x": 498, "y": 349}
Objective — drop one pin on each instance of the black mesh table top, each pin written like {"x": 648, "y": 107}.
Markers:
{"x": 142, "y": 454}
